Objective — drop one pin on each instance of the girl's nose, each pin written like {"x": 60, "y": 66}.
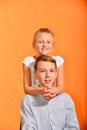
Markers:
{"x": 44, "y": 43}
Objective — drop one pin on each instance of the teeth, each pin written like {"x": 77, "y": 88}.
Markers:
{"x": 47, "y": 81}
{"x": 44, "y": 49}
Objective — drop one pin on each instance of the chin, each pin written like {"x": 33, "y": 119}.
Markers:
{"x": 45, "y": 53}
{"x": 48, "y": 85}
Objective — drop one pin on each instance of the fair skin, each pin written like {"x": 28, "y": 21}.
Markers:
{"x": 46, "y": 73}
{"x": 43, "y": 45}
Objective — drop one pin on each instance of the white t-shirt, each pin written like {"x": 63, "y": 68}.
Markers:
{"x": 29, "y": 62}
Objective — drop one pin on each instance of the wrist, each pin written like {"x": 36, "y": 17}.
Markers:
{"x": 41, "y": 90}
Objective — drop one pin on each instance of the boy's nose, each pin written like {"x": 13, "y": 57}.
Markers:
{"x": 47, "y": 74}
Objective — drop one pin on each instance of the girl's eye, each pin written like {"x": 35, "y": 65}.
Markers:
{"x": 40, "y": 41}
{"x": 48, "y": 41}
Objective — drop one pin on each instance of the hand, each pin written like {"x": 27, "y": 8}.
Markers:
{"x": 49, "y": 92}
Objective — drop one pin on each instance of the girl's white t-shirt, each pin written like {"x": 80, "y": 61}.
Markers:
{"x": 29, "y": 62}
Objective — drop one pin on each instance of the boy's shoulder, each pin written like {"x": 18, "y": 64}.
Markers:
{"x": 64, "y": 94}
{"x": 65, "y": 97}
{"x": 34, "y": 99}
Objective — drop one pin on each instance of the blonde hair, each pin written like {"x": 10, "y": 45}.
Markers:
{"x": 44, "y": 58}
{"x": 41, "y": 30}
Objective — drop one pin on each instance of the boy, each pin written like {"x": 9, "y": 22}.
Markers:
{"x": 40, "y": 113}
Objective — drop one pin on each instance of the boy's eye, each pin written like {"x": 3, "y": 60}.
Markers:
{"x": 41, "y": 70}
{"x": 52, "y": 70}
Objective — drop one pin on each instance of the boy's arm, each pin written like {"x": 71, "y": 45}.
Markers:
{"x": 71, "y": 117}
{"x": 27, "y": 119}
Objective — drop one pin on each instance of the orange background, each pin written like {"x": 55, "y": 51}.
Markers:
{"x": 18, "y": 22}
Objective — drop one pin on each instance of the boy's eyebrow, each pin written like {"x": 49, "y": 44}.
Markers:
{"x": 46, "y": 68}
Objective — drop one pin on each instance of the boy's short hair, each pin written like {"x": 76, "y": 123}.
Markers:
{"x": 44, "y": 58}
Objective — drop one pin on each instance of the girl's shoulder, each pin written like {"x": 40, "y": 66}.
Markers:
{"x": 28, "y": 60}
{"x": 59, "y": 60}
{"x": 58, "y": 57}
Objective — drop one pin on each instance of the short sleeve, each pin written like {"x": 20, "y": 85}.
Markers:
{"x": 59, "y": 60}
{"x": 28, "y": 60}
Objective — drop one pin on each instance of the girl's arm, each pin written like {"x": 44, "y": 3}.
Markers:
{"x": 28, "y": 89}
{"x": 60, "y": 79}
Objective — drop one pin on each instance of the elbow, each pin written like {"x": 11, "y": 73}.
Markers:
{"x": 26, "y": 89}
{"x": 63, "y": 88}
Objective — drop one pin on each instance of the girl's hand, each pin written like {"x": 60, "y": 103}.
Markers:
{"x": 49, "y": 92}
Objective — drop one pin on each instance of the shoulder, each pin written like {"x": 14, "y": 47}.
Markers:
{"x": 33, "y": 100}
{"x": 25, "y": 103}
{"x": 66, "y": 98}
{"x": 28, "y": 60}
{"x": 26, "y": 99}
{"x": 59, "y": 60}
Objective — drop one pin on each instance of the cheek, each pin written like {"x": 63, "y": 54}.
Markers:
{"x": 51, "y": 46}
{"x": 41, "y": 77}
{"x": 54, "y": 76}
{"x": 36, "y": 45}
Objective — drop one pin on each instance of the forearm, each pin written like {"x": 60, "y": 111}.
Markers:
{"x": 33, "y": 90}
{"x": 59, "y": 89}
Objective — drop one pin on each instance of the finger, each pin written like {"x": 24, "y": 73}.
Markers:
{"x": 52, "y": 95}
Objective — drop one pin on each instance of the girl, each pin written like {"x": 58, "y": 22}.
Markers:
{"x": 43, "y": 42}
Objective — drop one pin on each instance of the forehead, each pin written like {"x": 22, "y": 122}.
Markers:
{"x": 44, "y": 35}
{"x": 45, "y": 65}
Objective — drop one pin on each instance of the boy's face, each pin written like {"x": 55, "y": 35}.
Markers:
{"x": 46, "y": 73}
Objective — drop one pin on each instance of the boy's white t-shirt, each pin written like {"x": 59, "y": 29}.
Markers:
{"x": 29, "y": 62}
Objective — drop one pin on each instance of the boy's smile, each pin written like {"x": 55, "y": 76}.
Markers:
{"x": 46, "y": 73}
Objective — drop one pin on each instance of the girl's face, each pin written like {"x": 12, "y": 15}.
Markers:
{"x": 44, "y": 43}
{"x": 46, "y": 73}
